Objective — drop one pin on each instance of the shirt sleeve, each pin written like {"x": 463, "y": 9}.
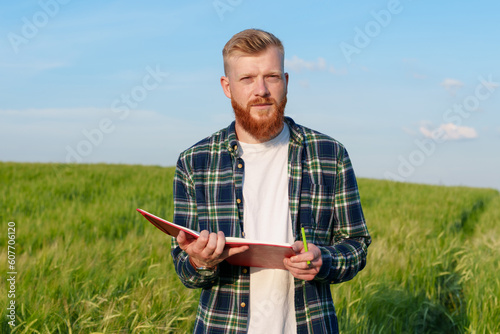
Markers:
{"x": 185, "y": 214}
{"x": 347, "y": 256}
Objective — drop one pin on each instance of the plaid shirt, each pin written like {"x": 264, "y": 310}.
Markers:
{"x": 323, "y": 198}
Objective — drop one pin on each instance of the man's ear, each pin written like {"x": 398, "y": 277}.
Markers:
{"x": 224, "y": 82}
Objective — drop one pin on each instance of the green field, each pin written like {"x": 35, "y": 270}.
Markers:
{"x": 86, "y": 261}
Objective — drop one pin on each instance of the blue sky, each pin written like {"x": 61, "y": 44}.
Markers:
{"x": 411, "y": 88}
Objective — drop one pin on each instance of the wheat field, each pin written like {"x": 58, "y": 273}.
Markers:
{"x": 87, "y": 262}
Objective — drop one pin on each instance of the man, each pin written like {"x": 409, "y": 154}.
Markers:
{"x": 264, "y": 177}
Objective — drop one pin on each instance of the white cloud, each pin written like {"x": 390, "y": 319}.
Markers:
{"x": 452, "y": 85}
{"x": 449, "y": 131}
{"x": 298, "y": 64}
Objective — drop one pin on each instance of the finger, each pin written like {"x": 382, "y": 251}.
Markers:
{"x": 181, "y": 237}
{"x": 303, "y": 258}
{"x": 303, "y": 267}
{"x": 182, "y": 240}
{"x": 291, "y": 267}
{"x": 211, "y": 246}
{"x": 298, "y": 246}
{"x": 230, "y": 251}
{"x": 201, "y": 242}
{"x": 221, "y": 243}
{"x": 296, "y": 266}
{"x": 305, "y": 277}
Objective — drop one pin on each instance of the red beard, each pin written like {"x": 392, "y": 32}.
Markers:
{"x": 261, "y": 129}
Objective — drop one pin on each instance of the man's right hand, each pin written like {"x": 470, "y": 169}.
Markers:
{"x": 208, "y": 250}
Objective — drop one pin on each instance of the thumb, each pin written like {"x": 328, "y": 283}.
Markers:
{"x": 182, "y": 240}
{"x": 298, "y": 246}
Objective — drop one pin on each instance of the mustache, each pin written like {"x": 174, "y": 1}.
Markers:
{"x": 262, "y": 100}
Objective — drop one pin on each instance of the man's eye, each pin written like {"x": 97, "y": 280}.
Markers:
{"x": 247, "y": 80}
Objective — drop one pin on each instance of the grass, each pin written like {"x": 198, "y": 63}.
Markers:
{"x": 88, "y": 262}
{"x": 421, "y": 276}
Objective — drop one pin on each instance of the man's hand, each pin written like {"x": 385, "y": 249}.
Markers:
{"x": 208, "y": 249}
{"x": 297, "y": 264}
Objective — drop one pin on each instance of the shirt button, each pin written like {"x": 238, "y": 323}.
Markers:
{"x": 243, "y": 304}
{"x": 238, "y": 201}
{"x": 244, "y": 270}
{"x": 240, "y": 165}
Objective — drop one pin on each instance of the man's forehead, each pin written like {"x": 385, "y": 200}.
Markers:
{"x": 240, "y": 60}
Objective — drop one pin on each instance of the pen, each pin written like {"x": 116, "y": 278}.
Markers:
{"x": 305, "y": 242}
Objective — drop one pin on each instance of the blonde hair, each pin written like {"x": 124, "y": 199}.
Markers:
{"x": 250, "y": 42}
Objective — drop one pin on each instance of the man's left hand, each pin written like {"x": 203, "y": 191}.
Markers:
{"x": 297, "y": 264}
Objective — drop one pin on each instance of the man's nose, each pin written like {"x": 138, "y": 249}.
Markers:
{"x": 261, "y": 87}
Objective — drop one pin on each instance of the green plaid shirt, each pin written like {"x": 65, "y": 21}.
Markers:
{"x": 323, "y": 198}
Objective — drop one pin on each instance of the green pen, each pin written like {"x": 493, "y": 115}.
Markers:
{"x": 305, "y": 242}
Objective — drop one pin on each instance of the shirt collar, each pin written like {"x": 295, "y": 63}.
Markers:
{"x": 296, "y": 134}
{"x": 232, "y": 141}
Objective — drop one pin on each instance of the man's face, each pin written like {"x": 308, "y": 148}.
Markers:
{"x": 257, "y": 87}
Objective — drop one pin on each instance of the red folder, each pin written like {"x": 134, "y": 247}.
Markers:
{"x": 260, "y": 254}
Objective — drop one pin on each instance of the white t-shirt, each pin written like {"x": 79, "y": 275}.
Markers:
{"x": 267, "y": 218}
